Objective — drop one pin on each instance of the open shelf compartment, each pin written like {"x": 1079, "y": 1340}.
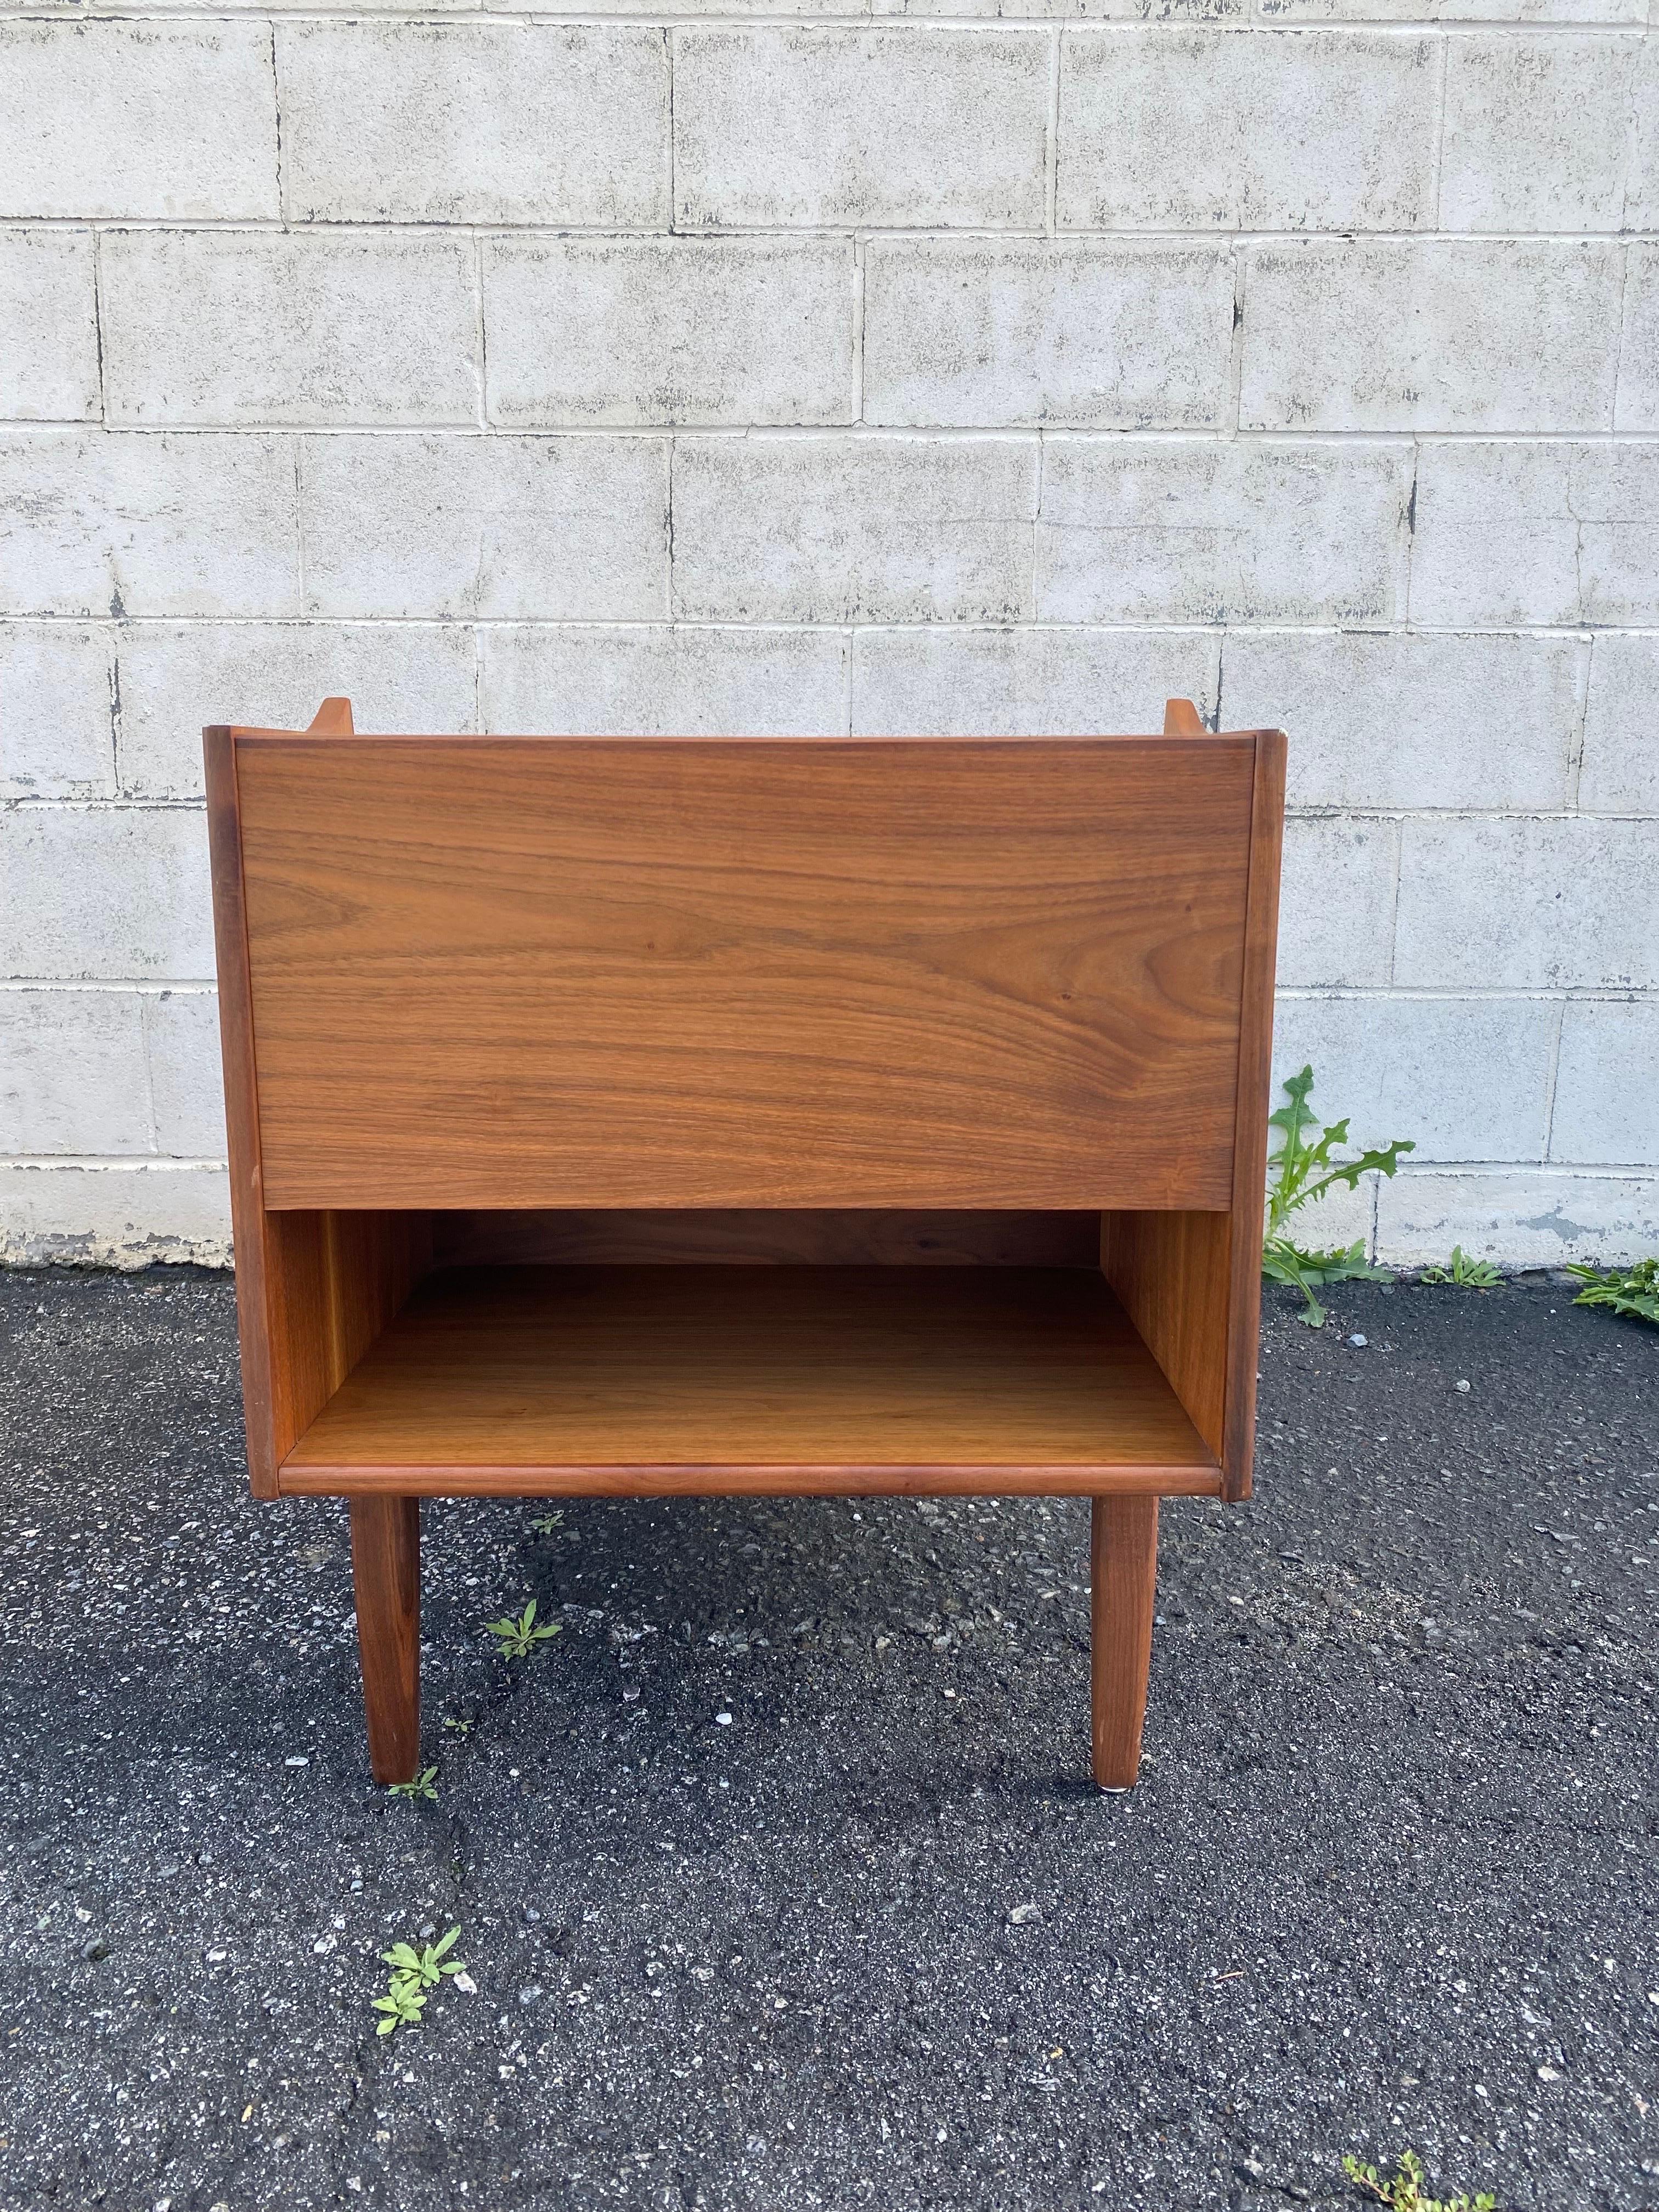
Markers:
{"x": 554, "y": 1378}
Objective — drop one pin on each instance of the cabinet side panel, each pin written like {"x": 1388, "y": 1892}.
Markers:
{"x": 563, "y": 972}
{"x": 242, "y": 1112}
{"x": 1173, "y": 1274}
{"x": 1251, "y": 1132}
{"x": 334, "y": 1282}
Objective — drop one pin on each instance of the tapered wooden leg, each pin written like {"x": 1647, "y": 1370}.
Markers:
{"x": 1123, "y": 1576}
{"x": 386, "y": 1569}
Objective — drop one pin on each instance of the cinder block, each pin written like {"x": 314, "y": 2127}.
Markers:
{"x": 1461, "y": 1079}
{"x": 233, "y": 327}
{"x": 689, "y": 10}
{"x": 668, "y": 680}
{"x": 1641, "y": 211}
{"x": 99, "y": 524}
{"x": 1111, "y": 335}
{"x": 1620, "y": 774}
{"x": 557, "y": 529}
{"x": 177, "y": 678}
{"x": 181, "y": 1036}
{"x": 56, "y": 712}
{"x": 1528, "y": 906}
{"x": 1431, "y": 334}
{"x": 1214, "y": 531}
{"x": 1607, "y": 1098}
{"x": 1412, "y": 721}
{"x": 167, "y": 120}
{"x": 372, "y": 8}
{"x": 1537, "y": 133}
{"x": 740, "y": 331}
{"x": 866, "y": 529}
{"x": 106, "y": 894}
{"x": 49, "y": 362}
{"x": 910, "y": 125}
{"x": 1173, "y": 128}
{"x": 1545, "y": 531}
{"x": 74, "y": 1077}
{"x": 1637, "y": 405}
{"x": 1455, "y": 11}
{"x": 1336, "y": 903}
{"x": 546, "y": 123}
{"x": 1523, "y": 1217}
{"x": 126, "y": 1214}
{"x": 1025, "y": 682}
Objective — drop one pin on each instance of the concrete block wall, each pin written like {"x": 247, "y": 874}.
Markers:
{"x": 931, "y": 367}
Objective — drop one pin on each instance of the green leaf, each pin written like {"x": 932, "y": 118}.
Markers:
{"x": 1300, "y": 1172}
{"x": 518, "y": 1638}
{"x": 1633, "y": 1291}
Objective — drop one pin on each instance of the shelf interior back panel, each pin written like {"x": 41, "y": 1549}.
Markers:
{"x": 653, "y": 1380}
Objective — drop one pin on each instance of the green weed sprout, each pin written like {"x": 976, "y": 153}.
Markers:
{"x": 1467, "y": 1274}
{"x": 1304, "y": 1167}
{"x": 1633, "y": 1291}
{"x": 1404, "y": 2192}
{"x": 415, "y": 1975}
{"x": 517, "y": 1639}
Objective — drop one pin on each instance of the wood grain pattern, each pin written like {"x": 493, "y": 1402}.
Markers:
{"x": 1123, "y": 1585}
{"x": 1172, "y": 1272}
{"x": 1191, "y": 1282}
{"x": 1250, "y": 1128}
{"x": 762, "y": 1236}
{"x": 313, "y": 1289}
{"x": 385, "y": 1574}
{"x": 334, "y": 1281}
{"x": 253, "y": 1318}
{"x": 656, "y": 1379}
{"x": 828, "y": 973}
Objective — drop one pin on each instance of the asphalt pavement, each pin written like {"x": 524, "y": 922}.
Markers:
{"x": 780, "y": 1879}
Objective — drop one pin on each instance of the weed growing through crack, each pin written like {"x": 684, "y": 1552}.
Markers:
{"x": 1404, "y": 2192}
{"x": 546, "y": 1525}
{"x": 415, "y": 1975}
{"x": 1467, "y": 1274}
{"x": 423, "y": 1785}
{"x": 517, "y": 1639}
{"x": 1633, "y": 1291}
{"x": 1304, "y": 1167}
{"x": 402, "y": 2006}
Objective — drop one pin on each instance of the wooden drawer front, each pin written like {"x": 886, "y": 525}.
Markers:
{"x": 556, "y": 972}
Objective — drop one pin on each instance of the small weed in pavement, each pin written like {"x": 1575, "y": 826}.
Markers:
{"x": 415, "y": 1975}
{"x": 401, "y": 2007}
{"x": 517, "y": 1639}
{"x": 1304, "y": 1168}
{"x": 1404, "y": 2193}
{"x": 1633, "y": 1291}
{"x": 459, "y": 1723}
{"x": 423, "y": 1785}
{"x": 545, "y": 1524}
{"x": 1467, "y": 1274}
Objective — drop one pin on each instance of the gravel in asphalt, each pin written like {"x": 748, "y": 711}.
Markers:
{"x": 778, "y": 1874}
